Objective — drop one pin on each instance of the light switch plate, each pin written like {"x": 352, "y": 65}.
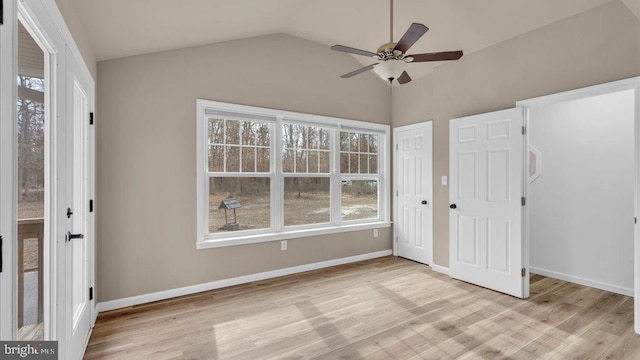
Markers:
{"x": 444, "y": 181}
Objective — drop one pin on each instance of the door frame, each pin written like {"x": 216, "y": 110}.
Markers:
{"x": 394, "y": 196}
{"x": 30, "y": 21}
{"x": 8, "y": 201}
{"x": 47, "y": 26}
{"x": 601, "y": 89}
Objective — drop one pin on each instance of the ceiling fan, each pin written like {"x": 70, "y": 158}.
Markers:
{"x": 392, "y": 57}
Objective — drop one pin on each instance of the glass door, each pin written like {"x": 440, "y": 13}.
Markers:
{"x": 32, "y": 186}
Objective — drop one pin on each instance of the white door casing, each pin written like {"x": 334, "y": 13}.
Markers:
{"x": 8, "y": 205}
{"x": 486, "y": 180}
{"x": 414, "y": 188}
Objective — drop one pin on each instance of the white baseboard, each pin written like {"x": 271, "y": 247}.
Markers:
{"x": 582, "y": 281}
{"x": 440, "y": 269}
{"x": 167, "y": 294}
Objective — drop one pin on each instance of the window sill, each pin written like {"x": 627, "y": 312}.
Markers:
{"x": 287, "y": 234}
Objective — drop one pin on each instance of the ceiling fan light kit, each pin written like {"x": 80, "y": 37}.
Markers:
{"x": 393, "y": 58}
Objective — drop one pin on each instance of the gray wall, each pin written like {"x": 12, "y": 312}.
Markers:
{"x": 597, "y": 46}
{"x": 146, "y": 170}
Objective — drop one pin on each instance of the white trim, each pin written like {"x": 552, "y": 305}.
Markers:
{"x": 284, "y": 115}
{"x": 590, "y": 91}
{"x": 168, "y": 294}
{"x": 582, "y": 281}
{"x": 440, "y": 269}
{"x": 51, "y": 8}
{"x": 8, "y": 203}
{"x": 289, "y": 234}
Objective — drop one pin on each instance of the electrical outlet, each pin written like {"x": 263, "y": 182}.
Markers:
{"x": 283, "y": 245}
{"x": 375, "y": 232}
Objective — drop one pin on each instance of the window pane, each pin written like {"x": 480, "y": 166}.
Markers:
{"x": 324, "y": 139}
{"x": 253, "y": 195}
{"x": 248, "y": 133}
{"x": 324, "y": 162}
{"x": 303, "y": 132}
{"x": 307, "y": 201}
{"x": 373, "y": 144}
{"x": 344, "y": 163}
{"x": 232, "y": 135}
{"x": 248, "y": 159}
{"x": 233, "y": 159}
{"x": 353, "y": 163}
{"x": 216, "y": 158}
{"x": 364, "y": 163}
{"x": 314, "y": 138}
{"x": 313, "y": 161}
{"x": 263, "y": 135}
{"x": 344, "y": 141}
{"x": 353, "y": 142}
{"x": 287, "y": 160}
{"x": 216, "y": 131}
{"x": 359, "y": 199}
{"x": 264, "y": 160}
{"x": 358, "y": 154}
{"x": 301, "y": 161}
{"x": 364, "y": 143}
{"x": 373, "y": 164}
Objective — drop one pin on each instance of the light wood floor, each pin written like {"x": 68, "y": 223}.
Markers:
{"x": 387, "y": 308}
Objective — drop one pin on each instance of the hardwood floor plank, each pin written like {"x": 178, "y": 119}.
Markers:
{"x": 387, "y": 308}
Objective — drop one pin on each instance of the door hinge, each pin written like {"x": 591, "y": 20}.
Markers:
{"x": 523, "y": 201}
{"x": 635, "y": 220}
{"x": 524, "y": 272}
{"x": 1, "y": 12}
{"x": 524, "y": 130}
{"x": 91, "y": 293}
{"x": 90, "y": 118}
{"x": 90, "y": 205}
{"x": 1, "y": 254}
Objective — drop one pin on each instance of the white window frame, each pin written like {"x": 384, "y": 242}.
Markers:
{"x": 278, "y": 231}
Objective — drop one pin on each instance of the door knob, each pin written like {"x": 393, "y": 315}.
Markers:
{"x": 71, "y": 236}
{"x": 424, "y": 202}
{"x": 453, "y": 206}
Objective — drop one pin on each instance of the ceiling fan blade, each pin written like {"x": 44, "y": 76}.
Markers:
{"x": 359, "y": 71}
{"x": 412, "y": 35}
{"x": 437, "y": 56}
{"x": 353, "y": 50}
{"x": 404, "y": 78}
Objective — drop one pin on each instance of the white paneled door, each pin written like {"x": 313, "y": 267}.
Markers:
{"x": 414, "y": 186}
{"x": 79, "y": 239}
{"x": 485, "y": 193}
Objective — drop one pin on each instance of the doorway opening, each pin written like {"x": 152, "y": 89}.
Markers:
{"x": 581, "y": 186}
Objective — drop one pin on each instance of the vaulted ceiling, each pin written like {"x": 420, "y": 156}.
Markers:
{"x": 119, "y": 28}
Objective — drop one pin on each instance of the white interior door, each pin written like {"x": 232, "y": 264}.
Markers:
{"x": 79, "y": 241}
{"x": 414, "y": 186}
{"x": 485, "y": 220}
